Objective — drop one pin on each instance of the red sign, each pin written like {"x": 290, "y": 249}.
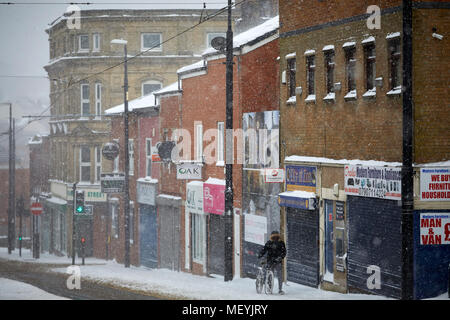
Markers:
{"x": 214, "y": 198}
{"x": 36, "y": 208}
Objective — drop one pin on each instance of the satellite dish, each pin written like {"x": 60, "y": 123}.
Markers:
{"x": 219, "y": 43}
{"x": 165, "y": 150}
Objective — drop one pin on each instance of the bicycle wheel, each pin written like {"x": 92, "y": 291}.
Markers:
{"x": 259, "y": 281}
{"x": 269, "y": 282}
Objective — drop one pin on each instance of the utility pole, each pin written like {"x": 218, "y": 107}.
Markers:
{"x": 228, "y": 265}
{"x": 11, "y": 185}
{"x": 407, "y": 169}
{"x": 74, "y": 191}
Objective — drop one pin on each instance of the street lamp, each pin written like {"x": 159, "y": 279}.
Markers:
{"x": 127, "y": 156}
{"x": 11, "y": 197}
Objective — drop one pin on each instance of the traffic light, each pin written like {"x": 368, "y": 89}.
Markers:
{"x": 79, "y": 202}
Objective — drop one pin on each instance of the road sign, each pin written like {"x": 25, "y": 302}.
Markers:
{"x": 110, "y": 150}
{"x": 36, "y": 208}
{"x": 112, "y": 182}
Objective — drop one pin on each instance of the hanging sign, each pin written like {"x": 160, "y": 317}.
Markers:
{"x": 373, "y": 182}
{"x": 434, "y": 228}
{"x": 435, "y": 184}
{"x": 186, "y": 171}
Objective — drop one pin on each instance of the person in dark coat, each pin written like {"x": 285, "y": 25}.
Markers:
{"x": 276, "y": 251}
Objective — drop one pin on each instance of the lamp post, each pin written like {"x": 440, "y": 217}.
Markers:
{"x": 11, "y": 184}
{"x": 127, "y": 155}
{"x": 228, "y": 274}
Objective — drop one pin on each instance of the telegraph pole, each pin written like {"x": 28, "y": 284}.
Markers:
{"x": 228, "y": 265}
{"x": 74, "y": 192}
{"x": 127, "y": 164}
{"x": 11, "y": 186}
{"x": 407, "y": 169}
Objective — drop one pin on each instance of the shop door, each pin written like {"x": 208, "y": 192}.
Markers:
{"x": 148, "y": 236}
{"x": 302, "y": 244}
{"x": 169, "y": 252}
{"x": 328, "y": 274}
{"x": 216, "y": 244}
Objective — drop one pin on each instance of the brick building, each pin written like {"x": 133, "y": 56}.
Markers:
{"x": 201, "y": 201}
{"x": 83, "y": 85}
{"x": 341, "y": 97}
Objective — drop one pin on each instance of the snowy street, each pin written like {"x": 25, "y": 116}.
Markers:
{"x": 102, "y": 279}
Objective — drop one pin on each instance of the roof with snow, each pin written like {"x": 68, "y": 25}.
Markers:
{"x": 199, "y": 65}
{"x": 254, "y": 34}
{"x": 146, "y": 101}
{"x": 167, "y": 89}
{"x": 373, "y": 163}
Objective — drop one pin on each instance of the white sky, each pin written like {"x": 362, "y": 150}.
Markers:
{"x": 24, "y": 51}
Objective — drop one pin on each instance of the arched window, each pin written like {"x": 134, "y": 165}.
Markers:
{"x": 150, "y": 86}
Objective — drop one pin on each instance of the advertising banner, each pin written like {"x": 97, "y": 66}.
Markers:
{"x": 255, "y": 229}
{"x": 214, "y": 198}
{"x": 373, "y": 182}
{"x": 435, "y": 184}
{"x": 301, "y": 178}
{"x": 434, "y": 228}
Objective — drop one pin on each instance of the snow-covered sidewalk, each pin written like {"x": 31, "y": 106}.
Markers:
{"x": 15, "y": 290}
{"x": 179, "y": 285}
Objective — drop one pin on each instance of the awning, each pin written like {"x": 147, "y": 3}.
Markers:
{"x": 297, "y": 199}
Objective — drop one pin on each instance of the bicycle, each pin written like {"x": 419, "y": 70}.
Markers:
{"x": 264, "y": 278}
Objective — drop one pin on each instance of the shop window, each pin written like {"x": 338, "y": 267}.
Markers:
{"x": 291, "y": 65}
{"x": 350, "y": 72}
{"x": 395, "y": 67}
{"x": 85, "y": 164}
{"x": 310, "y": 77}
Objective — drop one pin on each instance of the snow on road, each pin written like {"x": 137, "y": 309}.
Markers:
{"x": 180, "y": 284}
{"x": 15, "y": 290}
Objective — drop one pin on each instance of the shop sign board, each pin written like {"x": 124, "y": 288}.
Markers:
{"x": 373, "y": 182}
{"x": 301, "y": 178}
{"x": 434, "y": 228}
{"x": 435, "y": 184}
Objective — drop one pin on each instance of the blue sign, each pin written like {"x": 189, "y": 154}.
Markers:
{"x": 300, "y": 178}
{"x": 295, "y": 202}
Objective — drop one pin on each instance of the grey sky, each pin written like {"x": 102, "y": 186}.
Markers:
{"x": 24, "y": 51}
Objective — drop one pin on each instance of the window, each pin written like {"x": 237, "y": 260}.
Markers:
{"x": 220, "y": 145}
{"x": 329, "y": 67}
{"x": 310, "y": 75}
{"x": 212, "y": 35}
{"x": 116, "y": 159}
{"x": 85, "y": 103}
{"x": 98, "y": 99}
{"x": 151, "y": 41}
{"x": 292, "y": 70}
{"x": 115, "y": 220}
{"x": 98, "y": 163}
{"x": 96, "y": 42}
{"x": 350, "y": 69}
{"x": 369, "y": 57}
{"x": 395, "y": 66}
{"x": 131, "y": 156}
{"x": 198, "y": 237}
{"x": 85, "y": 164}
{"x": 150, "y": 86}
{"x": 83, "y": 43}
{"x": 199, "y": 142}
{"x": 148, "y": 157}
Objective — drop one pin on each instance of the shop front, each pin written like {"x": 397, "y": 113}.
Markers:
{"x": 148, "y": 227}
{"x": 214, "y": 205}
{"x": 169, "y": 215}
{"x": 374, "y": 224}
{"x": 302, "y": 225}
{"x": 195, "y": 229}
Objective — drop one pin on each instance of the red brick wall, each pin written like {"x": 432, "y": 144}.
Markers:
{"x": 431, "y": 85}
{"x": 295, "y": 14}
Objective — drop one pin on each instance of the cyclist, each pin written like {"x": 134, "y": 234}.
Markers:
{"x": 276, "y": 251}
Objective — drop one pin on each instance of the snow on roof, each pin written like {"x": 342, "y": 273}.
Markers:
{"x": 198, "y": 65}
{"x": 393, "y": 35}
{"x": 373, "y": 163}
{"x": 252, "y": 34}
{"x": 349, "y": 44}
{"x": 328, "y": 47}
{"x": 309, "y": 52}
{"x": 56, "y": 200}
{"x": 195, "y": 183}
{"x": 168, "y": 196}
{"x": 139, "y": 103}
{"x": 215, "y": 181}
{"x": 298, "y": 194}
{"x": 148, "y": 180}
{"x": 167, "y": 89}
{"x": 434, "y": 164}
